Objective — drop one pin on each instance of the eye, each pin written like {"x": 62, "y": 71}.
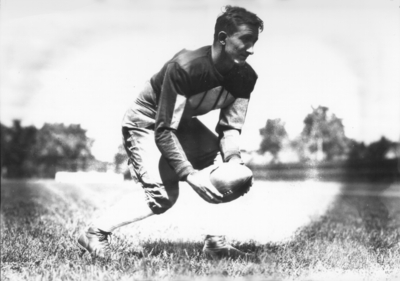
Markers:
{"x": 249, "y": 38}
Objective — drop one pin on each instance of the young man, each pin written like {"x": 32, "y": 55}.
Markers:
{"x": 192, "y": 83}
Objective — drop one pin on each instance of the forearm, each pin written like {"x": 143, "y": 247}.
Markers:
{"x": 229, "y": 127}
{"x": 229, "y": 145}
{"x": 171, "y": 149}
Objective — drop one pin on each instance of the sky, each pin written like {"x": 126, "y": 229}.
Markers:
{"x": 83, "y": 61}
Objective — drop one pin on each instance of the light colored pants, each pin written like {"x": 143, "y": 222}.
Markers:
{"x": 151, "y": 170}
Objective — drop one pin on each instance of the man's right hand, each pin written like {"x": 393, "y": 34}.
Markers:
{"x": 201, "y": 183}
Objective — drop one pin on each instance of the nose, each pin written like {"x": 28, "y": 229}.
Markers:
{"x": 250, "y": 49}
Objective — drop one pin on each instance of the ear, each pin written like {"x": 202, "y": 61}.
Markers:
{"x": 222, "y": 37}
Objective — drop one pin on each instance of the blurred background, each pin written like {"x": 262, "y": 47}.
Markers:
{"x": 328, "y": 92}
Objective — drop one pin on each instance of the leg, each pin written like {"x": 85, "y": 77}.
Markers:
{"x": 151, "y": 171}
{"x": 158, "y": 181}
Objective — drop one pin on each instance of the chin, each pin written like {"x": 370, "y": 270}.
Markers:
{"x": 240, "y": 62}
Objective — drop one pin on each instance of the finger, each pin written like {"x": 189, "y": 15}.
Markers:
{"x": 214, "y": 192}
{"x": 213, "y": 198}
{"x": 204, "y": 196}
{"x": 216, "y": 200}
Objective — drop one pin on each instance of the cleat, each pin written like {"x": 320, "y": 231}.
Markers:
{"x": 216, "y": 247}
{"x": 94, "y": 241}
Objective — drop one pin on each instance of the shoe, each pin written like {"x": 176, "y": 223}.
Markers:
{"x": 95, "y": 241}
{"x": 215, "y": 246}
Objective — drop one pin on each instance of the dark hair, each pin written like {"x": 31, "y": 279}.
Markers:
{"x": 233, "y": 17}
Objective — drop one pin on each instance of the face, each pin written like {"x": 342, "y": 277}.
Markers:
{"x": 239, "y": 45}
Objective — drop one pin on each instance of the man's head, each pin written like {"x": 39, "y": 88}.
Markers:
{"x": 236, "y": 32}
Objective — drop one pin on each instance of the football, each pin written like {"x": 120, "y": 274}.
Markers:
{"x": 232, "y": 180}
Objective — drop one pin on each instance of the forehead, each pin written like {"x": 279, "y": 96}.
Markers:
{"x": 246, "y": 29}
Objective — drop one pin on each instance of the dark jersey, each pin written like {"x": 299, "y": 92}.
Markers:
{"x": 189, "y": 85}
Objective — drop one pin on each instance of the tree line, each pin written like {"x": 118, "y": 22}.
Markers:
{"x": 29, "y": 152}
{"x": 323, "y": 138}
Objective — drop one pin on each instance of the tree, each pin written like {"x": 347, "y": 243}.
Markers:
{"x": 323, "y": 135}
{"x": 378, "y": 150}
{"x": 375, "y": 151}
{"x": 358, "y": 151}
{"x": 31, "y": 152}
{"x": 62, "y": 148}
{"x": 273, "y": 135}
{"x": 16, "y": 148}
{"x": 120, "y": 160}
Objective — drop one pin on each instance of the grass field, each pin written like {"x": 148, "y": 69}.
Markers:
{"x": 298, "y": 231}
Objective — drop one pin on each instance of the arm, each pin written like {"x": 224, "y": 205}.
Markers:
{"x": 229, "y": 128}
{"x": 171, "y": 105}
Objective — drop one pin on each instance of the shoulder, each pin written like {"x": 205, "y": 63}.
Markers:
{"x": 193, "y": 61}
{"x": 241, "y": 80}
{"x": 245, "y": 73}
{"x": 250, "y": 72}
{"x": 184, "y": 69}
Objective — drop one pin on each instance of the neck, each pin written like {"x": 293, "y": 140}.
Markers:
{"x": 220, "y": 61}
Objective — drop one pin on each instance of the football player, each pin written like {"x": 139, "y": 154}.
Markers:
{"x": 163, "y": 116}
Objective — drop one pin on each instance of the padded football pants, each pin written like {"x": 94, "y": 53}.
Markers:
{"x": 147, "y": 167}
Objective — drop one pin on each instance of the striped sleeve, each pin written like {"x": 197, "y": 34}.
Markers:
{"x": 171, "y": 105}
{"x": 229, "y": 127}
